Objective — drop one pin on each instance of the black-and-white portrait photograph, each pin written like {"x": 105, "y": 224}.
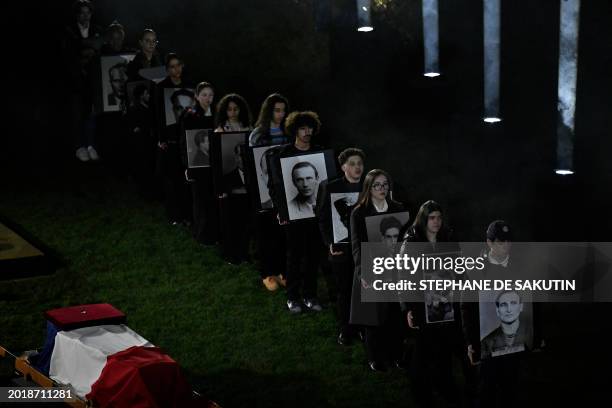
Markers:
{"x": 301, "y": 178}
{"x": 341, "y": 205}
{"x": 232, "y": 163}
{"x": 260, "y": 159}
{"x": 386, "y": 228}
{"x": 198, "y": 147}
{"x": 506, "y": 323}
{"x": 114, "y": 81}
{"x": 176, "y": 102}
{"x": 138, "y": 91}
{"x": 439, "y": 305}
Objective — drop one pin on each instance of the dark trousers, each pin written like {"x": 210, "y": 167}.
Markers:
{"x": 177, "y": 197}
{"x": 235, "y": 227}
{"x": 83, "y": 121}
{"x": 432, "y": 365}
{"x": 499, "y": 376}
{"x": 342, "y": 267}
{"x": 384, "y": 343}
{"x": 303, "y": 250}
{"x": 270, "y": 245}
{"x": 205, "y": 209}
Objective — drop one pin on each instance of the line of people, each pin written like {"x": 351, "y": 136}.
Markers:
{"x": 290, "y": 252}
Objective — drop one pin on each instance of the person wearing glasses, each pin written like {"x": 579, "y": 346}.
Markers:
{"x": 147, "y": 56}
{"x": 382, "y": 320}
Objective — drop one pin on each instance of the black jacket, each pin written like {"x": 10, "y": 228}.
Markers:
{"x": 139, "y": 62}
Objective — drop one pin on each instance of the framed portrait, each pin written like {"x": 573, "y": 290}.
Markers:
{"x": 137, "y": 90}
{"x": 301, "y": 176}
{"x": 197, "y": 143}
{"x": 112, "y": 80}
{"x": 386, "y": 227}
{"x": 439, "y": 303}
{"x": 341, "y": 206}
{"x": 257, "y": 175}
{"x": 176, "y": 102}
{"x": 227, "y": 161}
{"x": 506, "y": 323}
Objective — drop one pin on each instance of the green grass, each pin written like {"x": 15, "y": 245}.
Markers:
{"x": 235, "y": 340}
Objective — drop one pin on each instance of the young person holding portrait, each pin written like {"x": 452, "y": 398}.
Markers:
{"x": 382, "y": 321}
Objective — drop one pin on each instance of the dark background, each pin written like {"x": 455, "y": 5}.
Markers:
{"x": 370, "y": 93}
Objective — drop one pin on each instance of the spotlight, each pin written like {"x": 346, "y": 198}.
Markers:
{"x": 430, "y": 37}
{"x": 492, "y": 46}
{"x": 364, "y": 23}
{"x": 491, "y": 119}
{"x": 564, "y": 172}
{"x": 568, "y": 78}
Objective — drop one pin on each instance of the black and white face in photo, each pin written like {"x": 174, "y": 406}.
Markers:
{"x": 180, "y": 104}
{"x": 385, "y": 228}
{"x": 390, "y": 237}
{"x": 146, "y": 97}
{"x": 353, "y": 168}
{"x": 198, "y": 147}
{"x": 113, "y": 70}
{"x": 305, "y": 179}
{"x": 230, "y": 151}
{"x": 509, "y": 307}
{"x": 176, "y": 101}
{"x": 118, "y": 79}
{"x": 301, "y": 178}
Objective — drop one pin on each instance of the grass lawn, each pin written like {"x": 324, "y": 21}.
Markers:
{"x": 235, "y": 340}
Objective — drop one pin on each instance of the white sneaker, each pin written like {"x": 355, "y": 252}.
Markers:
{"x": 82, "y": 154}
{"x": 93, "y": 155}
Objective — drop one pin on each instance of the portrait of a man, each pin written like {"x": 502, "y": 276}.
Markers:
{"x": 386, "y": 228}
{"x": 113, "y": 69}
{"x": 198, "y": 147}
{"x": 176, "y": 102}
{"x": 301, "y": 176}
{"x": 514, "y": 331}
{"x": 234, "y": 181}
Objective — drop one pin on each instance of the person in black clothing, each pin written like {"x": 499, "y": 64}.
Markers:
{"x": 491, "y": 376}
{"x": 270, "y": 239}
{"x": 146, "y": 57}
{"x": 170, "y": 166}
{"x": 142, "y": 143}
{"x": 382, "y": 320}
{"x": 205, "y": 209}
{"x": 351, "y": 161}
{"x": 302, "y": 236}
{"x": 114, "y": 40}
{"x": 82, "y": 32}
{"x": 235, "y": 213}
{"x": 436, "y": 340}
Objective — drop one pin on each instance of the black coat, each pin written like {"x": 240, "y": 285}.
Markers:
{"x": 362, "y": 313}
